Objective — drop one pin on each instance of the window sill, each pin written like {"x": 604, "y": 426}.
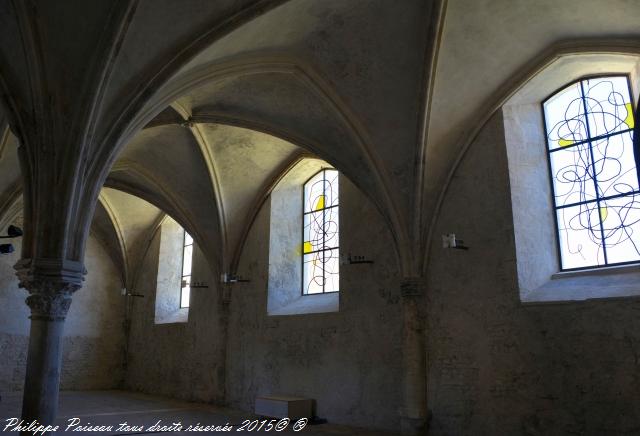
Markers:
{"x": 608, "y": 270}
{"x": 318, "y": 303}
{"x": 597, "y": 283}
{"x": 180, "y": 316}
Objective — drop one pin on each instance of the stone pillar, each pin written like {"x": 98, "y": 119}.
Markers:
{"x": 414, "y": 415}
{"x": 50, "y": 290}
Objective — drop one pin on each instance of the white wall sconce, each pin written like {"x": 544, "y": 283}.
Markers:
{"x": 450, "y": 241}
{"x": 125, "y": 293}
{"x": 229, "y": 278}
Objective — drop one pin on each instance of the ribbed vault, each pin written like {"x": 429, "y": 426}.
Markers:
{"x": 389, "y": 95}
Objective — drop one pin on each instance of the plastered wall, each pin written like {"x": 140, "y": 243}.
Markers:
{"x": 498, "y": 366}
{"x": 176, "y": 359}
{"x": 93, "y": 347}
{"x": 348, "y": 361}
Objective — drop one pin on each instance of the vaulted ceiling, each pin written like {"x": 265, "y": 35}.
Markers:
{"x": 198, "y": 107}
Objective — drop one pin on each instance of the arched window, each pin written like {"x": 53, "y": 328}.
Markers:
{"x": 304, "y": 241}
{"x": 589, "y": 128}
{"x": 173, "y": 281}
{"x": 321, "y": 256}
{"x": 187, "y": 257}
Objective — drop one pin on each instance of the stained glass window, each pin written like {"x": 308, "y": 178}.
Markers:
{"x": 320, "y": 258}
{"x": 187, "y": 257}
{"x": 589, "y": 126}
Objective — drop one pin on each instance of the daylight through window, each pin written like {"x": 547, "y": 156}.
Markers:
{"x": 320, "y": 263}
{"x": 187, "y": 256}
{"x": 589, "y": 126}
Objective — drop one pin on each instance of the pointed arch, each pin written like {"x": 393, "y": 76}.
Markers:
{"x": 308, "y": 77}
{"x": 529, "y": 71}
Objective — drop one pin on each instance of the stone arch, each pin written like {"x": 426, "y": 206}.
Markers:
{"x": 535, "y": 68}
{"x": 343, "y": 119}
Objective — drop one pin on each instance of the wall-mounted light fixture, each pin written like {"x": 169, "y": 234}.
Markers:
{"x": 229, "y": 278}
{"x": 450, "y": 241}
{"x": 12, "y": 232}
{"x": 126, "y": 293}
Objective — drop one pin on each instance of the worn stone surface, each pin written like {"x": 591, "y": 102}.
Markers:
{"x": 530, "y": 195}
{"x": 93, "y": 344}
{"x": 141, "y": 410}
{"x": 181, "y": 359}
{"x": 388, "y": 94}
{"x": 348, "y": 361}
{"x": 497, "y": 39}
{"x": 499, "y": 367}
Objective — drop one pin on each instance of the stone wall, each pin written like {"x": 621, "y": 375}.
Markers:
{"x": 93, "y": 348}
{"x": 348, "y": 361}
{"x": 498, "y": 366}
{"x": 182, "y": 359}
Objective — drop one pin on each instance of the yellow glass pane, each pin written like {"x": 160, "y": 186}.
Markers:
{"x": 603, "y": 213}
{"x": 307, "y": 248}
{"x": 629, "y": 120}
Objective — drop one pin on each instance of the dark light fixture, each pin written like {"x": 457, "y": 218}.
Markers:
{"x": 12, "y": 232}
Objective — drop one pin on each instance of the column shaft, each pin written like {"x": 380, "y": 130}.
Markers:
{"x": 42, "y": 380}
{"x": 50, "y": 283}
{"x": 415, "y": 413}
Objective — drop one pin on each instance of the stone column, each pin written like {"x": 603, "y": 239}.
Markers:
{"x": 414, "y": 415}
{"x": 50, "y": 298}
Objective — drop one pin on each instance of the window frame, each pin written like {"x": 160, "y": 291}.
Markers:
{"x": 589, "y": 140}
{"x": 337, "y": 207}
{"x": 182, "y": 275}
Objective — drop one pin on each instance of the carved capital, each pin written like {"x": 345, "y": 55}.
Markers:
{"x": 49, "y": 307}
{"x": 51, "y": 283}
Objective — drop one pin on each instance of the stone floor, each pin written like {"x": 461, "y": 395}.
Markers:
{"x": 140, "y": 412}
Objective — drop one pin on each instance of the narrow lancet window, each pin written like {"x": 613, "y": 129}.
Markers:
{"x": 320, "y": 259}
{"x": 187, "y": 256}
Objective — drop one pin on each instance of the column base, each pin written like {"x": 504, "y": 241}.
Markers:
{"x": 414, "y": 426}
